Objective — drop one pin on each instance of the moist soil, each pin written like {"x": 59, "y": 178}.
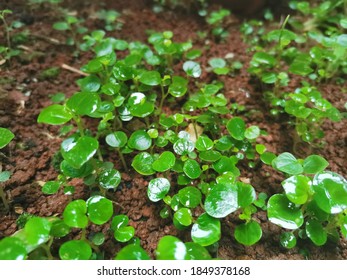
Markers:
{"x": 30, "y": 156}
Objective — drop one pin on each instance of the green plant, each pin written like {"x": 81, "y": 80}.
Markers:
{"x": 35, "y": 239}
{"x": 314, "y": 203}
{"x": 111, "y": 19}
{"x": 5, "y": 138}
{"x": 169, "y": 248}
{"x": 217, "y": 20}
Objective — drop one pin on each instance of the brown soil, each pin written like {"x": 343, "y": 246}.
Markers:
{"x": 23, "y": 94}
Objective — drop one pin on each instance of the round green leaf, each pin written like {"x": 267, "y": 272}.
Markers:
{"x": 267, "y": 157}
{"x": 190, "y": 197}
{"x": 109, "y": 179}
{"x": 183, "y": 216}
{"x": 192, "y": 69}
{"x": 132, "y": 252}
{"x": 330, "y": 192}
{"x": 71, "y": 172}
{"x": 61, "y": 26}
{"x": 245, "y": 194}
{"x": 165, "y": 161}
{"x": 314, "y": 164}
{"x": 225, "y": 164}
{"x": 287, "y": 163}
{"x": 150, "y": 78}
{"x": 204, "y": 143}
{"x": 171, "y": 248}
{"x": 224, "y": 143}
{"x": 142, "y": 163}
{"x": 183, "y": 146}
{"x": 124, "y": 234}
{"x": 4, "y": 176}
{"x": 117, "y": 139}
{"x": 192, "y": 169}
{"x": 50, "y": 187}
{"x": 59, "y": 228}
{"x": 75, "y": 214}
{"x": 119, "y": 221}
{"x": 206, "y": 231}
{"x": 37, "y": 231}
{"x": 75, "y": 250}
{"x": 217, "y": 62}
{"x": 55, "y": 114}
{"x": 12, "y": 248}
{"x": 83, "y": 103}
{"x": 178, "y": 87}
{"x": 288, "y": 240}
{"x": 252, "y": 132}
{"x": 210, "y": 156}
{"x": 248, "y": 234}
{"x": 158, "y": 188}
{"x": 221, "y": 201}
{"x": 77, "y": 151}
{"x": 316, "y": 232}
{"x": 139, "y": 140}
{"x": 237, "y": 128}
{"x": 90, "y": 83}
{"x": 196, "y": 252}
{"x": 98, "y": 238}
{"x": 99, "y": 209}
{"x": 284, "y": 213}
{"x": 297, "y": 188}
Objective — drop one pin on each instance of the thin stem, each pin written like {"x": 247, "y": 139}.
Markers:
{"x": 79, "y": 125}
{"x": 122, "y": 159}
{"x": 7, "y": 30}
{"x": 163, "y": 97}
{"x": 3, "y": 197}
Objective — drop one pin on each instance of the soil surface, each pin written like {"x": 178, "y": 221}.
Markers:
{"x": 23, "y": 93}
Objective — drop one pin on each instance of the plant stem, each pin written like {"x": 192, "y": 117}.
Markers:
{"x": 7, "y": 30}
{"x": 3, "y": 197}
{"x": 163, "y": 97}
{"x": 79, "y": 125}
{"x": 123, "y": 160}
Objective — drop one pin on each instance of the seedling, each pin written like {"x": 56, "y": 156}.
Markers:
{"x": 111, "y": 19}
{"x": 314, "y": 203}
{"x": 217, "y": 21}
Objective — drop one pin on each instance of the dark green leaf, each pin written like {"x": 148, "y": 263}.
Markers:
{"x": 316, "y": 232}
{"x": 142, "y": 163}
{"x": 237, "y": 127}
{"x": 165, "y": 161}
{"x": 50, "y": 187}
{"x": 117, "y": 139}
{"x": 109, "y": 179}
{"x": 248, "y": 233}
{"x": 139, "y": 140}
{"x": 83, "y": 103}
{"x": 190, "y": 197}
{"x": 192, "y": 169}
{"x": 150, "y": 78}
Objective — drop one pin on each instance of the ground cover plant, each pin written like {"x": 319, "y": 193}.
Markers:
{"x": 192, "y": 138}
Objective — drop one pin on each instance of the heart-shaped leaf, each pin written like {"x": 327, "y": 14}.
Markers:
{"x": 109, "y": 179}
{"x": 316, "y": 232}
{"x": 75, "y": 250}
{"x": 297, "y": 188}
{"x": 158, "y": 188}
{"x": 248, "y": 233}
{"x": 221, "y": 201}
{"x": 330, "y": 192}
{"x": 284, "y": 213}
{"x": 206, "y": 231}
{"x": 75, "y": 214}
{"x": 84, "y": 103}
{"x": 287, "y": 163}
{"x": 132, "y": 252}
{"x": 314, "y": 164}
{"x": 165, "y": 161}
{"x": 237, "y": 128}
{"x": 99, "y": 209}
{"x": 150, "y": 78}
{"x": 171, "y": 248}
{"x": 190, "y": 197}
{"x": 77, "y": 151}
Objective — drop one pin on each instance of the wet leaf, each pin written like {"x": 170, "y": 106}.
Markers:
{"x": 190, "y": 197}
{"x": 297, "y": 188}
{"x": 165, "y": 161}
{"x": 140, "y": 140}
{"x": 314, "y": 164}
{"x": 109, "y": 179}
{"x": 171, "y": 248}
{"x": 316, "y": 232}
{"x": 12, "y": 248}
{"x": 287, "y": 163}
{"x": 75, "y": 214}
{"x": 77, "y": 151}
{"x": 206, "y": 231}
{"x": 75, "y": 250}
{"x": 99, "y": 209}
{"x": 117, "y": 139}
{"x": 158, "y": 188}
{"x": 192, "y": 69}
{"x": 330, "y": 192}
{"x": 221, "y": 201}
{"x": 192, "y": 169}
{"x": 284, "y": 213}
{"x": 237, "y": 127}
{"x": 288, "y": 240}
{"x": 55, "y": 114}
{"x": 132, "y": 252}
{"x": 142, "y": 163}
